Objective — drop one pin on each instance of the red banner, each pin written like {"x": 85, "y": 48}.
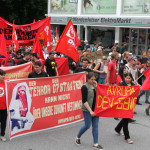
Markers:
{"x": 17, "y": 72}
{"x": 26, "y": 33}
{"x": 116, "y": 101}
{"x": 62, "y": 65}
{"x": 43, "y": 103}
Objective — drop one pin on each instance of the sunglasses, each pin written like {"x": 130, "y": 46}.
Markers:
{"x": 104, "y": 59}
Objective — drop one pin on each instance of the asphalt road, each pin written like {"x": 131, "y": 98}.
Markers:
{"x": 63, "y": 138}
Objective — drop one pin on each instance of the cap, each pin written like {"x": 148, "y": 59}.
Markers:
{"x": 85, "y": 41}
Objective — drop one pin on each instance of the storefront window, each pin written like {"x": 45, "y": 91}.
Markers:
{"x": 136, "y": 6}
{"x": 139, "y": 40}
{"x": 99, "y": 6}
{"x": 64, "y": 6}
{"x": 148, "y": 38}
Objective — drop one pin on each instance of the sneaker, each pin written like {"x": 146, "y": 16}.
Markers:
{"x": 77, "y": 141}
{"x": 98, "y": 147}
{"x": 3, "y": 138}
{"x": 116, "y": 118}
{"x": 129, "y": 141}
{"x": 131, "y": 121}
{"x": 147, "y": 112}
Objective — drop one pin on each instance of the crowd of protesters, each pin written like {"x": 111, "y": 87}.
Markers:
{"x": 112, "y": 69}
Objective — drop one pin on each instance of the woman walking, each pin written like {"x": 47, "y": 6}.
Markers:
{"x": 88, "y": 104}
{"x": 124, "y": 122}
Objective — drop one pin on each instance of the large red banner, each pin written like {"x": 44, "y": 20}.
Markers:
{"x": 116, "y": 101}
{"x": 38, "y": 104}
{"x": 17, "y": 72}
{"x": 26, "y": 33}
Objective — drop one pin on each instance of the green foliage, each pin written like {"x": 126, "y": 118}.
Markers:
{"x": 23, "y": 11}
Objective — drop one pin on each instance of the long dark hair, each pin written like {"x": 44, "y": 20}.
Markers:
{"x": 130, "y": 75}
{"x": 121, "y": 69}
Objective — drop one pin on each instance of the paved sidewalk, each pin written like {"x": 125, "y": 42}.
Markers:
{"x": 63, "y": 138}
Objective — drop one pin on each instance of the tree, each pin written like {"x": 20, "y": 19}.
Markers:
{"x": 23, "y": 11}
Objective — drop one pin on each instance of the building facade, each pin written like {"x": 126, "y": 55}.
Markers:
{"x": 108, "y": 21}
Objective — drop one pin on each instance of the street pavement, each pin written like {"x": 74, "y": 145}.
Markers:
{"x": 63, "y": 138}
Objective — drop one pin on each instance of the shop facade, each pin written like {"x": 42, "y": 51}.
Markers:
{"x": 108, "y": 21}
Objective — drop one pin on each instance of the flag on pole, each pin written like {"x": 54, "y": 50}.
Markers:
{"x": 15, "y": 39}
{"x": 3, "y": 49}
{"x": 146, "y": 83}
{"x": 69, "y": 42}
{"x": 38, "y": 49}
{"x": 47, "y": 35}
{"x": 57, "y": 36}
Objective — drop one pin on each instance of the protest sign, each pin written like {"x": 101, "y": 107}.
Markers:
{"x": 116, "y": 101}
{"x": 38, "y": 104}
{"x": 93, "y": 55}
{"x": 17, "y": 72}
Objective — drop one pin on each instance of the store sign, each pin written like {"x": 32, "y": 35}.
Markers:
{"x": 136, "y": 7}
{"x": 99, "y": 6}
{"x": 64, "y": 6}
{"x": 111, "y": 21}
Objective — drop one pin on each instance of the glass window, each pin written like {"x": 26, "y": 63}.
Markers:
{"x": 136, "y": 7}
{"x": 125, "y": 35}
{"x": 64, "y": 6}
{"x": 99, "y": 6}
{"x": 148, "y": 39}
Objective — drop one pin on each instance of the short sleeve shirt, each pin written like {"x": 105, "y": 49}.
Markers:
{"x": 113, "y": 71}
{"x": 50, "y": 67}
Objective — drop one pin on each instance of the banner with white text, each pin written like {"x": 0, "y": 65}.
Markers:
{"x": 17, "y": 72}
{"x": 43, "y": 103}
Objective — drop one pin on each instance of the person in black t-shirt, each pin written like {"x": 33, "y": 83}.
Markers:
{"x": 25, "y": 59}
{"x": 38, "y": 72}
{"x": 84, "y": 67}
{"x": 50, "y": 65}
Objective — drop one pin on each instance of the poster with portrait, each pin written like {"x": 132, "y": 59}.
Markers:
{"x": 43, "y": 103}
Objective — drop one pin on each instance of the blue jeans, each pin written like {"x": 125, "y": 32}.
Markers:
{"x": 88, "y": 120}
{"x": 101, "y": 81}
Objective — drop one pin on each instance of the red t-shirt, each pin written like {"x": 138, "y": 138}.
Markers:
{"x": 113, "y": 71}
{"x": 2, "y": 96}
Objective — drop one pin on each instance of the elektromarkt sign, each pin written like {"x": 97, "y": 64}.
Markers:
{"x": 112, "y": 21}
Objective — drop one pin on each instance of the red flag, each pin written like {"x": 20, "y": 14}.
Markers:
{"x": 68, "y": 42}
{"x": 57, "y": 37}
{"x": 38, "y": 49}
{"x": 146, "y": 83}
{"x": 3, "y": 50}
{"x": 47, "y": 35}
{"x": 15, "y": 39}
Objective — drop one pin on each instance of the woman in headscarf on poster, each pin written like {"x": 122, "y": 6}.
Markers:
{"x": 19, "y": 109}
